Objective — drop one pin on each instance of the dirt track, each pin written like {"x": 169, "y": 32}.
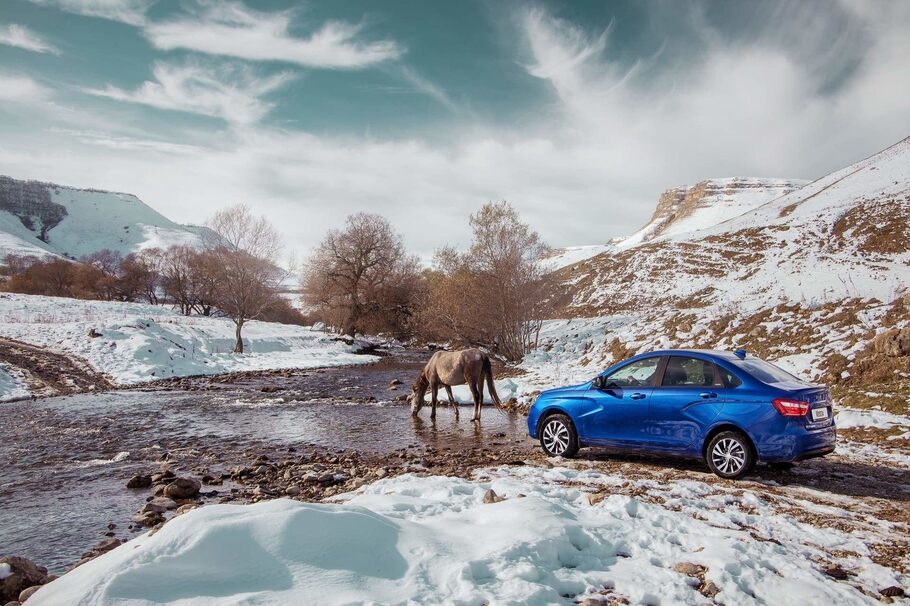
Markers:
{"x": 49, "y": 373}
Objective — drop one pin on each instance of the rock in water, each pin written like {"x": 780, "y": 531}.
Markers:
{"x": 182, "y": 488}
{"x": 140, "y": 481}
{"x": 21, "y": 575}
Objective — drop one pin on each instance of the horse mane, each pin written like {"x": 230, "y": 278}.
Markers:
{"x": 422, "y": 382}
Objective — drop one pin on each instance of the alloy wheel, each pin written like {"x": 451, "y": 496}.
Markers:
{"x": 729, "y": 456}
{"x": 556, "y": 437}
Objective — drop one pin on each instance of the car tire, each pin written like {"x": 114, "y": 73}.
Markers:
{"x": 558, "y": 437}
{"x": 729, "y": 455}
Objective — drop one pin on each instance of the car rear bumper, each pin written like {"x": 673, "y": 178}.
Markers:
{"x": 797, "y": 444}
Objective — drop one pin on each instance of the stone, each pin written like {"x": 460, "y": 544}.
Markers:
{"x": 140, "y": 481}
{"x": 709, "y": 589}
{"x": 836, "y": 572}
{"x": 23, "y": 574}
{"x": 185, "y": 508}
{"x": 106, "y": 545}
{"x": 490, "y": 496}
{"x": 182, "y": 488}
{"x": 164, "y": 477}
{"x": 689, "y": 569}
{"x": 292, "y": 491}
{"x": 394, "y": 382}
{"x": 893, "y": 592}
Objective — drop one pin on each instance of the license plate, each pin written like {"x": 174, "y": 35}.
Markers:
{"x": 819, "y": 414}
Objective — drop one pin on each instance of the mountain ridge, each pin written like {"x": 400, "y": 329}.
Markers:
{"x": 47, "y": 219}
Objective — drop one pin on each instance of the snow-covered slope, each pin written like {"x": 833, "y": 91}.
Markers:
{"x": 44, "y": 218}
{"x": 688, "y": 208}
{"x": 811, "y": 276}
{"x": 141, "y": 343}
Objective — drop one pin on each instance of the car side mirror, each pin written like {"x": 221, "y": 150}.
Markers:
{"x": 598, "y": 382}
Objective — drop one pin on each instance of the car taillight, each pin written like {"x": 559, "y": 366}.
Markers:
{"x": 791, "y": 408}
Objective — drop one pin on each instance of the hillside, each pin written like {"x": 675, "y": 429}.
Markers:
{"x": 47, "y": 219}
{"x": 810, "y": 278}
{"x": 689, "y": 208}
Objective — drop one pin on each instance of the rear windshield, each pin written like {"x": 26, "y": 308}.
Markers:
{"x": 765, "y": 371}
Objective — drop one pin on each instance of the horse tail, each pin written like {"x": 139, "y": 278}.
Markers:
{"x": 488, "y": 372}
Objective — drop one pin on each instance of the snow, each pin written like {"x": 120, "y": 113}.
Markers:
{"x": 5, "y": 571}
{"x": 431, "y": 540}
{"x": 12, "y": 385}
{"x": 96, "y": 220}
{"x": 141, "y": 343}
{"x": 877, "y": 419}
{"x": 571, "y": 255}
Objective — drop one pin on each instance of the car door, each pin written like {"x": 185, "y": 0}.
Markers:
{"x": 619, "y": 410}
{"x": 686, "y": 399}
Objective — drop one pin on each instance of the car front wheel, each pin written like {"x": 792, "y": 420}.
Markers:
{"x": 729, "y": 455}
{"x": 558, "y": 436}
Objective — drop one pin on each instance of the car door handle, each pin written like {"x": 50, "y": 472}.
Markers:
{"x": 708, "y": 394}
{"x": 637, "y": 396}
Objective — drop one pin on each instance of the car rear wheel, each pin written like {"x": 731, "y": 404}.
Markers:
{"x": 729, "y": 455}
{"x": 558, "y": 436}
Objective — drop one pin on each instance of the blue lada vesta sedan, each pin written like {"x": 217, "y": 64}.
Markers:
{"x": 729, "y": 408}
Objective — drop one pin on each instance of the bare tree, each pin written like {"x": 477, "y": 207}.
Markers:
{"x": 244, "y": 251}
{"x": 360, "y": 277}
{"x": 496, "y": 294}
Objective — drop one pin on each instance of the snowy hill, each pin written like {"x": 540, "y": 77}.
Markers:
{"x": 810, "y": 277}
{"x": 689, "y": 208}
{"x": 47, "y": 219}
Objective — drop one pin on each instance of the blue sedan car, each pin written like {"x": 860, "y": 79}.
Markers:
{"x": 729, "y": 408}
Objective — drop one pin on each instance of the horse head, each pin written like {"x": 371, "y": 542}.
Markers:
{"x": 418, "y": 390}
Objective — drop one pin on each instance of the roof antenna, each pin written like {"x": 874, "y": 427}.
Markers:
{"x": 740, "y": 353}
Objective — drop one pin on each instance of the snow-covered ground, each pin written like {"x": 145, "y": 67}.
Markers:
{"x": 94, "y": 220}
{"x": 12, "y": 384}
{"x": 141, "y": 343}
{"x": 432, "y": 540}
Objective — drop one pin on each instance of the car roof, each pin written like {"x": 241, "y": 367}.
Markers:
{"x": 718, "y": 353}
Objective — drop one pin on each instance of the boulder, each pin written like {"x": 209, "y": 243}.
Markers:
{"x": 182, "y": 488}
{"x": 18, "y": 574}
{"x": 140, "y": 481}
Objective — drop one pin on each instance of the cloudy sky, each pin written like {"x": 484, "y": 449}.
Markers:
{"x": 580, "y": 113}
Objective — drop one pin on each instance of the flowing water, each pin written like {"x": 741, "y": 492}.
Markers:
{"x": 64, "y": 461}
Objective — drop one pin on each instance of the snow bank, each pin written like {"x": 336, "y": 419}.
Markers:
{"x": 877, "y": 419}
{"x": 140, "y": 343}
{"x": 431, "y": 540}
{"x": 12, "y": 385}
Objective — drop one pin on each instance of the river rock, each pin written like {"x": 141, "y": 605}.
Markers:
{"x": 104, "y": 547}
{"x": 140, "y": 481}
{"x": 183, "y": 488}
{"x": 28, "y": 592}
{"x": 164, "y": 477}
{"x": 23, "y": 574}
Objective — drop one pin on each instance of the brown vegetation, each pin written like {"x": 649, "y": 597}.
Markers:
{"x": 361, "y": 279}
{"x": 496, "y": 294}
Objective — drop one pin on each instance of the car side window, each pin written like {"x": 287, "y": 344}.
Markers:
{"x": 730, "y": 379}
{"x": 683, "y": 371}
{"x": 635, "y": 374}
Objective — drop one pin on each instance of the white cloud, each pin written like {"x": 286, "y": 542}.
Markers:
{"x": 231, "y": 29}
{"x": 588, "y": 168}
{"x": 426, "y": 87}
{"x": 131, "y": 12}
{"x": 22, "y": 37}
{"x": 15, "y": 88}
{"x": 232, "y": 93}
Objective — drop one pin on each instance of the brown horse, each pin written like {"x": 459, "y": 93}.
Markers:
{"x": 447, "y": 368}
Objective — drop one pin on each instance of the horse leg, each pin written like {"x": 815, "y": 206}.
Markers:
{"x": 476, "y": 397}
{"x": 452, "y": 400}
{"x": 435, "y": 388}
